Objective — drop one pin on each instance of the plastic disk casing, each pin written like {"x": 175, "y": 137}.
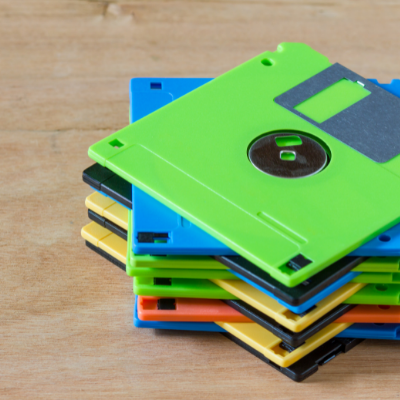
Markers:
{"x": 113, "y": 249}
{"x": 259, "y": 338}
{"x": 355, "y": 277}
{"x": 158, "y": 230}
{"x": 206, "y": 310}
{"x": 385, "y": 245}
{"x": 116, "y": 247}
{"x": 104, "y": 239}
{"x": 308, "y": 365}
{"x": 297, "y": 299}
{"x": 372, "y": 314}
{"x": 181, "y": 237}
{"x": 281, "y": 314}
{"x": 289, "y": 297}
{"x": 115, "y": 219}
{"x": 380, "y": 263}
{"x": 294, "y": 339}
{"x": 106, "y": 256}
{"x": 274, "y": 348}
{"x": 115, "y": 187}
{"x": 373, "y": 331}
{"x": 108, "y": 213}
{"x": 183, "y": 326}
{"x": 313, "y": 300}
{"x": 139, "y": 265}
{"x": 105, "y": 223}
{"x": 109, "y": 209}
{"x": 377, "y": 294}
{"x": 198, "y": 288}
{"x": 247, "y": 220}
{"x": 186, "y": 310}
{"x": 176, "y": 287}
{"x": 109, "y": 184}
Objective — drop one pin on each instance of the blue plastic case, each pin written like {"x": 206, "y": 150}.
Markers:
{"x": 372, "y": 331}
{"x": 178, "y": 235}
{"x": 158, "y": 230}
{"x": 149, "y": 94}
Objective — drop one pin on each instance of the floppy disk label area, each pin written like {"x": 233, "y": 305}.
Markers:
{"x": 377, "y": 111}
{"x": 266, "y": 219}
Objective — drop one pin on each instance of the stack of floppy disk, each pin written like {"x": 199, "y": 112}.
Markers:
{"x": 262, "y": 204}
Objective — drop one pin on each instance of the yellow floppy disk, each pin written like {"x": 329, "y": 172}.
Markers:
{"x": 274, "y": 348}
{"x": 267, "y": 305}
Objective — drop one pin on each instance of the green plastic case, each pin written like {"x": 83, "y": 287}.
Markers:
{"x": 379, "y": 264}
{"x": 375, "y": 269}
{"x": 378, "y": 277}
{"x": 192, "y": 155}
{"x": 175, "y": 287}
{"x": 377, "y": 294}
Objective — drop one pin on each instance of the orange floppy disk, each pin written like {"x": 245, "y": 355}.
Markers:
{"x": 365, "y": 313}
{"x": 181, "y": 309}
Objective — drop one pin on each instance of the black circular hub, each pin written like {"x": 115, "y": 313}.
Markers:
{"x": 288, "y": 155}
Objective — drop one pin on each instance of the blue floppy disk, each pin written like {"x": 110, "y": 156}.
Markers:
{"x": 372, "y": 331}
{"x": 158, "y": 230}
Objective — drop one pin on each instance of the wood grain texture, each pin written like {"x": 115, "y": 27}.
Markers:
{"x": 66, "y": 315}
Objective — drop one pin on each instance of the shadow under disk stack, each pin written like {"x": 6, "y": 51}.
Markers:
{"x": 261, "y": 205}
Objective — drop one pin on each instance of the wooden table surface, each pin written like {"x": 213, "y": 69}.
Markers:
{"x": 66, "y": 314}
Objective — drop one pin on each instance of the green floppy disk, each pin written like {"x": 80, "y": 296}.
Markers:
{"x": 175, "y": 287}
{"x": 379, "y": 264}
{"x": 289, "y": 160}
{"x": 190, "y": 267}
{"x": 375, "y": 269}
{"x": 378, "y": 277}
{"x": 377, "y": 294}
